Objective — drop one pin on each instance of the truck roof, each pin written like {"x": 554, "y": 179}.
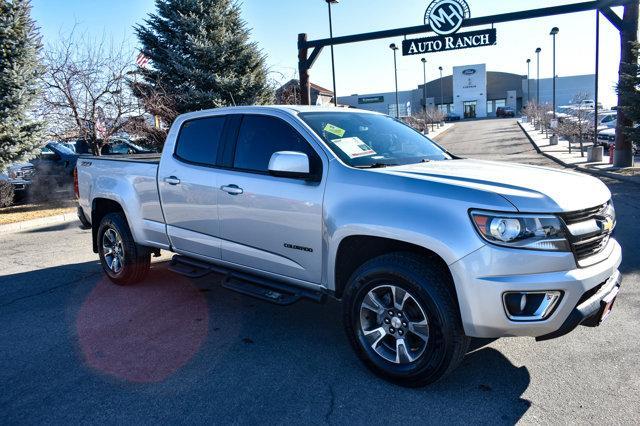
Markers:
{"x": 291, "y": 109}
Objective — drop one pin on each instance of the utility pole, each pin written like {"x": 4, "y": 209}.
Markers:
{"x": 393, "y": 47}
{"x": 528, "y": 81}
{"x": 424, "y": 93}
{"x": 333, "y": 63}
{"x": 538, "y": 50}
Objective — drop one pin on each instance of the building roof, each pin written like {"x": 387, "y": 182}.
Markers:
{"x": 314, "y": 86}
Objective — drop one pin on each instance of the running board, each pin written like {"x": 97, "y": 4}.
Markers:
{"x": 277, "y": 292}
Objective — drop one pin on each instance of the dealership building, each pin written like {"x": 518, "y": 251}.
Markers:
{"x": 473, "y": 92}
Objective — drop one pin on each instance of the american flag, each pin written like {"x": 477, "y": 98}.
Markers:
{"x": 142, "y": 60}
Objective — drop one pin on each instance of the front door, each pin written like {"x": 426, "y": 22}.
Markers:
{"x": 470, "y": 109}
{"x": 187, "y": 181}
{"x": 269, "y": 223}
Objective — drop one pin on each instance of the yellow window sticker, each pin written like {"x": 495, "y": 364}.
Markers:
{"x": 335, "y": 130}
{"x": 354, "y": 147}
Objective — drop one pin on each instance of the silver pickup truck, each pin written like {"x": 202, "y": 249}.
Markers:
{"x": 424, "y": 249}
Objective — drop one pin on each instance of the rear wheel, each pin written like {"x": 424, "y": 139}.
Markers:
{"x": 122, "y": 259}
{"x": 402, "y": 319}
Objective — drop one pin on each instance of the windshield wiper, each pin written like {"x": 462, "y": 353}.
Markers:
{"x": 375, "y": 166}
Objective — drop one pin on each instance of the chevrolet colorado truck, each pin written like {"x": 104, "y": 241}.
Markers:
{"x": 424, "y": 249}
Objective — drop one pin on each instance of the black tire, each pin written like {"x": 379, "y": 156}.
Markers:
{"x": 137, "y": 259}
{"x": 429, "y": 287}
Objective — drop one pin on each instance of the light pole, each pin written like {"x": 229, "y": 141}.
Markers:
{"x": 424, "y": 93}
{"x": 528, "y": 82}
{"x": 441, "y": 91}
{"x": 333, "y": 63}
{"x": 554, "y": 32}
{"x": 554, "y": 137}
{"x": 538, "y": 50}
{"x": 393, "y": 47}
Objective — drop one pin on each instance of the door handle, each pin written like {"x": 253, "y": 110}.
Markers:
{"x": 232, "y": 189}
{"x": 172, "y": 180}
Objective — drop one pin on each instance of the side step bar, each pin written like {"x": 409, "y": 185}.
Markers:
{"x": 277, "y": 292}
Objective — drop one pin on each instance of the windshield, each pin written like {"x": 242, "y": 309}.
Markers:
{"x": 372, "y": 140}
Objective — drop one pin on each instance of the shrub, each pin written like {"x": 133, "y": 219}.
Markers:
{"x": 6, "y": 193}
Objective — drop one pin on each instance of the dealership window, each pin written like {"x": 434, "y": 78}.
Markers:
{"x": 489, "y": 107}
{"x": 501, "y": 103}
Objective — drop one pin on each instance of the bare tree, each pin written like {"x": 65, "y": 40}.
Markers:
{"x": 86, "y": 94}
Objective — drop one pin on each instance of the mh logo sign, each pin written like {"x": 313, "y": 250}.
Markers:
{"x": 446, "y": 16}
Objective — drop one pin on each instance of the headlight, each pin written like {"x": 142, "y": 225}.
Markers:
{"x": 13, "y": 174}
{"x": 523, "y": 231}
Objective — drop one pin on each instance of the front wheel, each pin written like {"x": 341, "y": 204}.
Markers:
{"x": 402, "y": 319}
{"x": 122, "y": 259}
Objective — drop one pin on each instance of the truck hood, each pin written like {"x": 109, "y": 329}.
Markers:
{"x": 529, "y": 188}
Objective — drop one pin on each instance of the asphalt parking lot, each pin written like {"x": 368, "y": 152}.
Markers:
{"x": 76, "y": 349}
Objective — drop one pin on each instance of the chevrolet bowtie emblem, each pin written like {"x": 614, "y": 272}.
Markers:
{"x": 607, "y": 224}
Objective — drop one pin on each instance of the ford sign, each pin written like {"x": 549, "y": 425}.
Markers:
{"x": 469, "y": 71}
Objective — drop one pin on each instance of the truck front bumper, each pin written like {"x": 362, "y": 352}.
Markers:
{"x": 485, "y": 276}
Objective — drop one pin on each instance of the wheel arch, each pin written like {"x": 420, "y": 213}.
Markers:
{"x": 355, "y": 250}
{"x": 100, "y": 207}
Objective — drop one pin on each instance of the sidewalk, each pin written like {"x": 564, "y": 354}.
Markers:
{"x": 439, "y": 131}
{"x": 560, "y": 154}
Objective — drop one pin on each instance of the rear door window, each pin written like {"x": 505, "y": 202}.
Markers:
{"x": 199, "y": 140}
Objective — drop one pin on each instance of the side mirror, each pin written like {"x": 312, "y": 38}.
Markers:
{"x": 289, "y": 164}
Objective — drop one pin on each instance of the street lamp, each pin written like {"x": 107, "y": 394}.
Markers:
{"x": 441, "y": 91}
{"x": 554, "y": 32}
{"x": 538, "y": 50}
{"x": 333, "y": 63}
{"x": 393, "y": 47}
{"x": 528, "y": 81}
{"x": 424, "y": 92}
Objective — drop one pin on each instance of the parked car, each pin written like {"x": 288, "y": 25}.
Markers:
{"x": 115, "y": 146}
{"x": 607, "y": 138}
{"x": 452, "y": 116}
{"x": 425, "y": 249}
{"x": 504, "y": 112}
{"x": 55, "y": 164}
{"x": 19, "y": 175}
{"x": 123, "y": 147}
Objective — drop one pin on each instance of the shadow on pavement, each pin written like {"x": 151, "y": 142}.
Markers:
{"x": 189, "y": 350}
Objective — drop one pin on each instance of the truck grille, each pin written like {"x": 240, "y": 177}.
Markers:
{"x": 588, "y": 245}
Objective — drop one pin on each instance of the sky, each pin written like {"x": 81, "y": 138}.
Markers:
{"x": 367, "y": 67}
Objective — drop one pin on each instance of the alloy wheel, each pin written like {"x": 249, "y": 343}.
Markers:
{"x": 113, "y": 251}
{"x": 394, "y": 324}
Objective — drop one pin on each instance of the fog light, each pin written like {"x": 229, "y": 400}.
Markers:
{"x": 530, "y": 305}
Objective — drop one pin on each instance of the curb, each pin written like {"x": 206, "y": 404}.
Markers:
{"x": 11, "y": 228}
{"x": 609, "y": 175}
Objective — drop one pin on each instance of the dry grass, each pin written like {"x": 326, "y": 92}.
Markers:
{"x": 24, "y": 212}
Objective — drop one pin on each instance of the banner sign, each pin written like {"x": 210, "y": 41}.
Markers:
{"x": 371, "y": 100}
{"x": 420, "y": 46}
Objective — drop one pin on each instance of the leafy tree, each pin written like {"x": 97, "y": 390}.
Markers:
{"x": 200, "y": 57}
{"x": 19, "y": 71}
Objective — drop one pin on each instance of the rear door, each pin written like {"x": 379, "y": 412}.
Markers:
{"x": 188, "y": 186}
{"x": 269, "y": 223}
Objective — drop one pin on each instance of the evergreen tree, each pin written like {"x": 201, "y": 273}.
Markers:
{"x": 629, "y": 91}
{"x": 19, "y": 72}
{"x": 201, "y": 58}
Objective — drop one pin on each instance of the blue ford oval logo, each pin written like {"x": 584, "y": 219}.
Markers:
{"x": 469, "y": 71}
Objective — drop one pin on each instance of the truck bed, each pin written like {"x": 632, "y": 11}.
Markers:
{"x": 131, "y": 181}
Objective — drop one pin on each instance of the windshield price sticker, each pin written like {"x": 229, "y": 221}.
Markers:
{"x": 354, "y": 147}
{"x": 335, "y": 130}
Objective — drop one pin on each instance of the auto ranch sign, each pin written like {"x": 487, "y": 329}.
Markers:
{"x": 445, "y": 17}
